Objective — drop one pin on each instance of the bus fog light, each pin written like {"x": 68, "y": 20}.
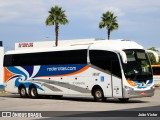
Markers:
{"x": 153, "y": 87}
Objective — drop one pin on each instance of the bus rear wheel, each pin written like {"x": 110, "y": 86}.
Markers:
{"x": 33, "y": 92}
{"x": 22, "y": 91}
{"x": 98, "y": 95}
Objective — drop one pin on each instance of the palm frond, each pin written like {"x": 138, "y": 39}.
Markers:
{"x": 109, "y": 21}
{"x": 56, "y": 15}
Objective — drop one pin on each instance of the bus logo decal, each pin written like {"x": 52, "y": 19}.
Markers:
{"x": 102, "y": 78}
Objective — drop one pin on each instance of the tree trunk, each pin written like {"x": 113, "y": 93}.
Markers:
{"x": 56, "y": 30}
{"x": 108, "y": 34}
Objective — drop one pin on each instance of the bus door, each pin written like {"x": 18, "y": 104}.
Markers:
{"x": 116, "y": 78}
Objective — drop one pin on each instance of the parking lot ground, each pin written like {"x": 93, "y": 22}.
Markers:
{"x": 81, "y": 106}
{"x": 66, "y": 103}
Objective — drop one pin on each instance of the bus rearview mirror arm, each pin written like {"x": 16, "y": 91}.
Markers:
{"x": 124, "y": 56}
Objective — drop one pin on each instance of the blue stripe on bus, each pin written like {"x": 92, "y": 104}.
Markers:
{"x": 29, "y": 69}
{"x": 21, "y": 77}
{"x": 17, "y": 71}
{"x": 51, "y": 70}
{"x": 1, "y": 87}
{"x": 26, "y": 84}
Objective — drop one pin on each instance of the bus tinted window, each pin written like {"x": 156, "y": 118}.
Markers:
{"x": 105, "y": 60}
{"x": 7, "y": 60}
{"x": 47, "y": 58}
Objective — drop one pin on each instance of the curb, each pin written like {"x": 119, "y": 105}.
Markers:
{"x": 157, "y": 85}
{"x": 3, "y": 92}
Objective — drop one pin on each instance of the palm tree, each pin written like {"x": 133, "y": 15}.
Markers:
{"x": 56, "y": 16}
{"x": 109, "y": 21}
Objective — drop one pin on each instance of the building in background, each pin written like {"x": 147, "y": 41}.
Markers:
{"x": 1, "y": 65}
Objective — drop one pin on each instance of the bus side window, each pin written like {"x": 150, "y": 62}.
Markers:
{"x": 103, "y": 60}
{"x": 47, "y": 58}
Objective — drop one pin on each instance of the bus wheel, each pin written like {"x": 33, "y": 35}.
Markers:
{"x": 98, "y": 95}
{"x": 22, "y": 91}
{"x": 123, "y": 99}
{"x": 33, "y": 92}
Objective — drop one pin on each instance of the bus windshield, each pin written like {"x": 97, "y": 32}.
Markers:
{"x": 138, "y": 66}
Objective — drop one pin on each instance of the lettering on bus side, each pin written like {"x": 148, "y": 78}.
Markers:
{"x": 61, "y": 68}
{"x": 96, "y": 74}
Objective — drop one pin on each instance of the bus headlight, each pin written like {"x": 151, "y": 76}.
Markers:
{"x": 128, "y": 88}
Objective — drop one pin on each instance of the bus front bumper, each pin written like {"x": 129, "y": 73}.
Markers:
{"x": 138, "y": 93}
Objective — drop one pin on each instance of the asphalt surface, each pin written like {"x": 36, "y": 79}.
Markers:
{"x": 83, "y": 108}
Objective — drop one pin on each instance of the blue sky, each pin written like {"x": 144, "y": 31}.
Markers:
{"x": 24, "y": 20}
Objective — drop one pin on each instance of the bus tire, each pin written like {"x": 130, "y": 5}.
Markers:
{"x": 123, "y": 99}
{"x": 33, "y": 92}
{"x": 98, "y": 95}
{"x": 23, "y": 92}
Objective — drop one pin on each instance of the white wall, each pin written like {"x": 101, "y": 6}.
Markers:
{"x": 1, "y": 66}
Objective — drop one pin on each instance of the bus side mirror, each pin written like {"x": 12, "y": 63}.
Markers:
{"x": 124, "y": 56}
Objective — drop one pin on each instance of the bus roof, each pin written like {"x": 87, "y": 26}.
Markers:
{"x": 112, "y": 45}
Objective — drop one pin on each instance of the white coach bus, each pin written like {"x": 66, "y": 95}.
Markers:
{"x": 100, "y": 68}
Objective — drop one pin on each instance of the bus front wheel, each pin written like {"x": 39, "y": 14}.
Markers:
{"x": 98, "y": 95}
{"x": 33, "y": 92}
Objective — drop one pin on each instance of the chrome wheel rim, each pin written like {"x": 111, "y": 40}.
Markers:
{"x": 33, "y": 92}
{"x": 98, "y": 94}
{"x": 23, "y": 92}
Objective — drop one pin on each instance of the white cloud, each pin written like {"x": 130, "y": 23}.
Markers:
{"x": 4, "y": 16}
{"x": 135, "y": 17}
{"x": 116, "y": 11}
{"x": 36, "y": 10}
{"x": 22, "y": 11}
